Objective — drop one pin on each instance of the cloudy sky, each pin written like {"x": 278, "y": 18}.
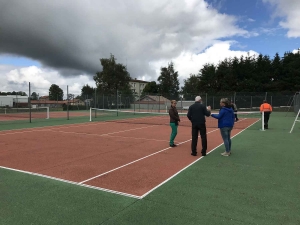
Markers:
{"x": 61, "y": 41}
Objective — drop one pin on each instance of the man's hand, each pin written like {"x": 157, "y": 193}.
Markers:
{"x": 208, "y": 108}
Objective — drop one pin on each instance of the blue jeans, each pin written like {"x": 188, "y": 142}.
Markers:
{"x": 225, "y": 133}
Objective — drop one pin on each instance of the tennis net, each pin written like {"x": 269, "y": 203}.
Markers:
{"x": 246, "y": 119}
{"x": 39, "y": 112}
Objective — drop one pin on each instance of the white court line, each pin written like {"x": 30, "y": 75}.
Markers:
{"x": 146, "y": 139}
{"x": 72, "y": 182}
{"x": 117, "y": 192}
{"x": 49, "y": 128}
{"x": 147, "y": 156}
{"x": 144, "y": 195}
{"x": 117, "y": 132}
{"x": 44, "y": 128}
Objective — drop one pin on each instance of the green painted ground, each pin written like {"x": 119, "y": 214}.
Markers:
{"x": 258, "y": 184}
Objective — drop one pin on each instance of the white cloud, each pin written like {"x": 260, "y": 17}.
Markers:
{"x": 17, "y": 79}
{"x": 296, "y": 51}
{"x": 289, "y": 11}
{"x": 190, "y": 63}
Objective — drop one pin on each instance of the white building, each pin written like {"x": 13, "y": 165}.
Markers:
{"x": 12, "y": 100}
{"x": 137, "y": 86}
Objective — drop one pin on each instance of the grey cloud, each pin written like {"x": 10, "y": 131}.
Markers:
{"x": 71, "y": 36}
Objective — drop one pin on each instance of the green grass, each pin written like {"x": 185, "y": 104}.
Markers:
{"x": 258, "y": 184}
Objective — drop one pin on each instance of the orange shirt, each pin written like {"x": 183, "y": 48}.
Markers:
{"x": 266, "y": 107}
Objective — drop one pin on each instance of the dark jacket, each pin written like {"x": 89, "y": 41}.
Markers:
{"x": 197, "y": 113}
{"x": 225, "y": 117}
{"x": 174, "y": 117}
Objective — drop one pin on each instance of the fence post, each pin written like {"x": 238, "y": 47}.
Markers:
{"x": 234, "y": 97}
{"x": 67, "y": 102}
{"x": 266, "y": 95}
{"x": 29, "y": 103}
{"x": 271, "y": 100}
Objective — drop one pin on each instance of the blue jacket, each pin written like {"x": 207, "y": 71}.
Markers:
{"x": 225, "y": 117}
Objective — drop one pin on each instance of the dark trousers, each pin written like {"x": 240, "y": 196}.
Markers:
{"x": 195, "y": 131}
{"x": 266, "y": 119}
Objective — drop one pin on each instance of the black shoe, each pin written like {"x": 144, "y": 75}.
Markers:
{"x": 194, "y": 154}
{"x": 173, "y": 145}
{"x": 203, "y": 154}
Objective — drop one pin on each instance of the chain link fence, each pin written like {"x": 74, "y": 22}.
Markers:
{"x": 67, "y": 106}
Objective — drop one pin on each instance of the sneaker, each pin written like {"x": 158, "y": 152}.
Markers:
{"x": 225, "y": 154}
{"x": 194, "y": 154}
{"x": 173, "y": 145}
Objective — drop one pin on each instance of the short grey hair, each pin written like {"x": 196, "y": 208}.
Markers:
{"x": 198, "y": 98}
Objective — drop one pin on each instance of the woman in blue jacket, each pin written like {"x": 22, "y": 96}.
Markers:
{"x": 225, "y": 123}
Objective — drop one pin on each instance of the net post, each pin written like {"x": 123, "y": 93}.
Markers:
{"x": 90, "y": 114}
{"x": 48, "y": 113}
{"x": 262, "y": 121}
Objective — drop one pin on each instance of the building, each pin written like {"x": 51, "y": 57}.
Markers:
{"x": 137, "y": 86}
{"x": 152, "y": 102}
{"x": 13, "y": 101}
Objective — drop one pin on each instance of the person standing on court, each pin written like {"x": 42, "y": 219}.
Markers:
{"x": 225, "y": 123}
{"x": 267, "y": 109}
{"x": 233, "y": 105}
{"x": 174, "y": 120}
{"x": 196, "y": 115}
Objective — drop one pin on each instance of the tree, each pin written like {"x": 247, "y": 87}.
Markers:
{"x": 87, "y": 92}
{"x": 150, "y": 88}
{"x": 191, "y": 87}
{"x": 55, "y": 93}
{"x": 70, "y": 96}
{"x": 113, "y": 77}
{"x": 208, "y": 79}
{"x": 168, "y": 82}
{"x": 34, "y": 96}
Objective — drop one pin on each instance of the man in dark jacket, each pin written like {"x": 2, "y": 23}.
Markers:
{"x": 196, "y": 115}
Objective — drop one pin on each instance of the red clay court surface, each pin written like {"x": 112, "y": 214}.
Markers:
{"x": 127, "y": 159}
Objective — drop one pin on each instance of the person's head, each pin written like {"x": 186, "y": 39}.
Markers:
{"x": 264, "y": 101}
{"x": 224, "y": 102}
{"x": 198, "y": 99}
{"x": 173, "y": 103}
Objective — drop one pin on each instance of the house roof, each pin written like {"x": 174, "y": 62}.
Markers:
{"x": 155, "y": 98}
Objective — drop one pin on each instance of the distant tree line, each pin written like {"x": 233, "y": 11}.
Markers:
{"x": 248, "y": 74}
{"x": 244, "y": 74}
{"x": 13, "y": 93}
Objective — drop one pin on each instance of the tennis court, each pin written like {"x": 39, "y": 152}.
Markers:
{"x": 130, "y": 158}
{"x": 131, "y": 172}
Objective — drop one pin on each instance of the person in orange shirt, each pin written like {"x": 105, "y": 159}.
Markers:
{"x": 267, "y": 109}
